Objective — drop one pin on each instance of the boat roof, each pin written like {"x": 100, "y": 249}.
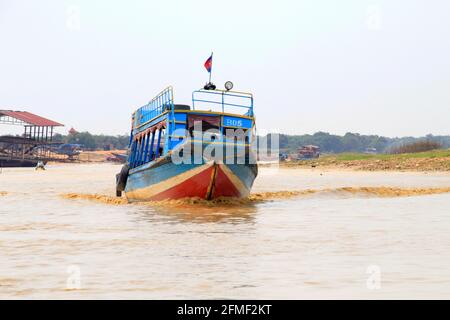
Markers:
{"x": 30, "y": 119}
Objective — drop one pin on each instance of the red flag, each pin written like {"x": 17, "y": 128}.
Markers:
{"x": 208, "y": 64}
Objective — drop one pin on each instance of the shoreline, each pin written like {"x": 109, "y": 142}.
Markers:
{"x": 359, "y": 168}
{"x": 436, "y": 161}
{"x": 432, "y": 161}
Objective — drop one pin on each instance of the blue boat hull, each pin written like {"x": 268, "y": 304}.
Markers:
{"x": 163, "y": 179}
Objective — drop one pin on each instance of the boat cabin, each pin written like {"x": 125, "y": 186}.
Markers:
{"x": 159, "y": 126}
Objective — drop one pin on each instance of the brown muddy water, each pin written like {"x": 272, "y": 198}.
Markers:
{"x": 302, "y": 234}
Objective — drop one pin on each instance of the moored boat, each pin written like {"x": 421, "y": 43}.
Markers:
{"x": 17, "y": 163}
{"x": 201, "y": 150}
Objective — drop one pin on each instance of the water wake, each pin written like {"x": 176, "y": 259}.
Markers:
{"x": 259, "y": 197}
{"x": 96, "y": 197}
{"x": 391, "y": 191}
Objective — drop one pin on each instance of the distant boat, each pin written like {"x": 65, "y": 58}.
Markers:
{"x": 117, "y": 157}
{"x": 308, "y": 152}
{"x": 69, "y": 149}
{"x": 18, "y": 163}
{"x": 162, "y": 132}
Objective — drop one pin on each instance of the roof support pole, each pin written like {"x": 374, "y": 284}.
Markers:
{"x": 147, "y": 142}
{"x": 152, "y": 142}
{"x": 157, "y": 154}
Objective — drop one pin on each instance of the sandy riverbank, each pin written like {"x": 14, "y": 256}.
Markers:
{"x": 438, "y": 160}
{"x": 94, "y": 156}
{"x": 98, "y": 156}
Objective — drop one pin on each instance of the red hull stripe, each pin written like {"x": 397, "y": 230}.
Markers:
{"x": 223, "y": 187}
{"x": 209, "y": 182}
{"x": 146, "y": 193}
{"x": 196, "y": 186}
{"x": 235, "y": 180}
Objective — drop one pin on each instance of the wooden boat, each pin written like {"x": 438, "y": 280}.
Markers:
{"x": 179, "y": 151}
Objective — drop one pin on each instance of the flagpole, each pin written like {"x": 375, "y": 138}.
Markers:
{"x": 211, "y": 68}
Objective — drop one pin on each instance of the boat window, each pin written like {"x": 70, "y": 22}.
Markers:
{"x": 205, "y": 122}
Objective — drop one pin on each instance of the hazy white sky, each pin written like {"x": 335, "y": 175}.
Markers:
{"x": 373, "y": 67}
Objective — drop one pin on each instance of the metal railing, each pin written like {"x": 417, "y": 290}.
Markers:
{"x": 162, "y": 102}
{"x": 224, "y": 99}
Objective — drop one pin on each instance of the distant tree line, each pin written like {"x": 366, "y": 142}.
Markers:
{"x": 93, "y": 141}
{"x": 354, "y": 142}
{"x": 330, "y": 143}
